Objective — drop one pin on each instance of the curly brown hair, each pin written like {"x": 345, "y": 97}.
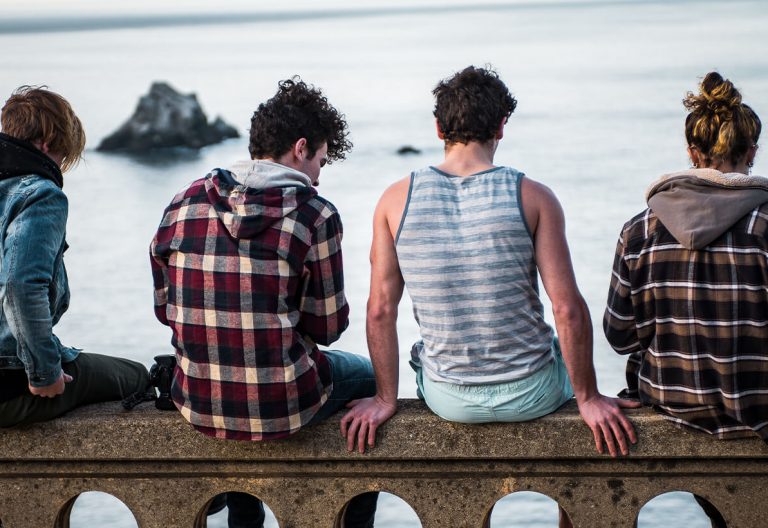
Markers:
{"x": 34, "y": 113}
{"x": 719, "y": 125}
{"x": 298, "y": 111}
{"x": 470, "y": 105}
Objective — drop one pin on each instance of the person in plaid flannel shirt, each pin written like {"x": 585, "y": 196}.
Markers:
{"x": 247, "y": 269}
{"x": 688, "y": 298}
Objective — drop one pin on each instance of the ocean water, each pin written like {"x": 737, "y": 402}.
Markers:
{"x": 599, "y": 85}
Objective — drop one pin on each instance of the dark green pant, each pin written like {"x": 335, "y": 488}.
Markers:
{"x": 97, "y": 378}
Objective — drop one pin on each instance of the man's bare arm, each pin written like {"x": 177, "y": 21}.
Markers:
{"x": 602, "y": 414}
{"x": 366, "y": 415}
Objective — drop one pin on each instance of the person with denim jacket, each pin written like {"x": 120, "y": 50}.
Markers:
{"x": 40, "y": 378}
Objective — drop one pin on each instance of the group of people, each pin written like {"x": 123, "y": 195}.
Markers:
{"x": 248, "y": 274}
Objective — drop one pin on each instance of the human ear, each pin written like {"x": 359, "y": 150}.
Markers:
{"x": 299, "y": 149}
{"x": 440, "y": 133}
{"x": 694, "y": 155}
{"x": 42, "y": 146}
{"x": 751, "y": 153}
{"x": 500, "y": 131}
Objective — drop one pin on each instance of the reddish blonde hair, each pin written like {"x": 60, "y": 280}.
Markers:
{"x": 36, "y": 114}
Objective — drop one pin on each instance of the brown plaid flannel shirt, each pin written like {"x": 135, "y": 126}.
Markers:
{"x": 695, "y": 323}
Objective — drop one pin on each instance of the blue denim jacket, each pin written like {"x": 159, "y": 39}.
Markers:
{"x": 33, "y": 281}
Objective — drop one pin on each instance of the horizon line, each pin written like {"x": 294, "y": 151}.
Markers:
{"x": 67, "y": 24}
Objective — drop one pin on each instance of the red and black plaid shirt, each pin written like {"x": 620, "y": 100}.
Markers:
{"x": 249, "y": 280}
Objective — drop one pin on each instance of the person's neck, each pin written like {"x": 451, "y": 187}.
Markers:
{"x": 466, "y": 159}
{"x": 741, "y": 167}
{"x": 729, "y": 168}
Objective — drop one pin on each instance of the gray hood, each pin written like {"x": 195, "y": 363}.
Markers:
{"x": 254, "y": 195}
{"x": 264, "y": 174}
{"x": 699, "y": 205}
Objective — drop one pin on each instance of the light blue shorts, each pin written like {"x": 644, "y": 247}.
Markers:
{"x": 539, "y": 394}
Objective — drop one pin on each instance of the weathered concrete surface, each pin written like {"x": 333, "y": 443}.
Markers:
{"x": 106, "y": 432}
{"x": 451, "y": 474}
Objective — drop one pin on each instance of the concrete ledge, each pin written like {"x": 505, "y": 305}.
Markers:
{"x": 107, "y": 432}
{"x": 450, "y": 474}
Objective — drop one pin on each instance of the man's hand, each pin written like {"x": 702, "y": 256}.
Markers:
{"x": 604, "y": 416}
{"x": 54, "y": 389}
{"x": 364, "y": 416}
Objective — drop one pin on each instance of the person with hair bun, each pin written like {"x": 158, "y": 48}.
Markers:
{"x": 688, "y": 299}
{"x": 721, "y": 131}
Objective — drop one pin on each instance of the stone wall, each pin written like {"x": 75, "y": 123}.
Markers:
{"x": 450, "y": 474}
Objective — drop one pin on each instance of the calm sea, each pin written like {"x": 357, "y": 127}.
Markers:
{"x": 599, "y": 85}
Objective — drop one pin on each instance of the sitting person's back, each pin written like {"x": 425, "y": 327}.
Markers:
{"x": 469, "y": 238}
{"x": 40, "y": 378}
{"x": 468, "y": 259}
{"x": 689, "y": 294}
{"x": 249, "y": 275}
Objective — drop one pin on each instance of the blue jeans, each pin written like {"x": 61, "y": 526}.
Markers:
{"x": 352, "y": 379}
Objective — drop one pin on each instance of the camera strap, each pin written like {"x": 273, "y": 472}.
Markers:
{"x": 138, "y": 397}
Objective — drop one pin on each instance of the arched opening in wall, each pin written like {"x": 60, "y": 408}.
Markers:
{"x": 679, "y": 508}
{"x": 390, "y": 511}
{"x": 95, "y": 508}
{"x": 242, "y": 509}
{"x": 528, "y": 509}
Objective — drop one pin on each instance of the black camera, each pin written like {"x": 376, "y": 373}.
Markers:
{"x": 161, "y": 376}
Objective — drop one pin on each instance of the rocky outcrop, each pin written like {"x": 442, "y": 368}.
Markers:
{"x": 408, "y": 149}
{"x": 165, "y": 118}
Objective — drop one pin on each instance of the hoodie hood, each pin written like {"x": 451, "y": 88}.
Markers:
{"x": 699, "y": 205}
{"x": 21, "y": 158}
{"x": 254, "y": 195}
{"x": 264, "y": 174}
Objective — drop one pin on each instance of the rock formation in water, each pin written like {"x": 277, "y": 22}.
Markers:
{"x": 408, "y": 149}
{"x": 165, "y": 118}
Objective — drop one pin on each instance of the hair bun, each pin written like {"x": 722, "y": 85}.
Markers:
{"x": 719, "y": 126}
{"x": 716, "y": 95}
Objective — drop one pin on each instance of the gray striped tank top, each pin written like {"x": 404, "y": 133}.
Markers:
{"x": 467, "y": 258}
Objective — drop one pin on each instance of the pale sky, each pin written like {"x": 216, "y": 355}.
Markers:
{"x": 55, "y": 8}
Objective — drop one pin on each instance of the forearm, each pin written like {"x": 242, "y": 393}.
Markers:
{"x": 161, "y": 302}
{"x": 619, "y": 323}
{"x": 623, "y": 339}
{"x": 324, "y": 320}
{"x": 31, "y": 252}
{"x": 383, "y": 347}
{"x": 159, "y": 268}
{"x": 323, "y": 305}
{"x": 619, "y": 319}
{"x": 575, "y": 334}
{"x": 27, "y": 310}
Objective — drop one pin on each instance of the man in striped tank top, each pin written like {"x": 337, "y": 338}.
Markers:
{"x": 469, "y": 238}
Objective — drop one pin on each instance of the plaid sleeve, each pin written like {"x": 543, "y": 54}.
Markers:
{"x": 619, "y": 318}
{"x": 158, "y": 251}
{"x": 324, "y": 309}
